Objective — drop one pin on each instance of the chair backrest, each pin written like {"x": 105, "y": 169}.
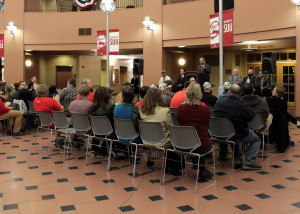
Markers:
{"x": 125, "y": 129}
{"x": 45, "y": 118}
{"x": 221, "y": 127}
{"x": 22, "y": 106}
{"x": 31, "y": 108}
{"x": 173, "y": 110}
{"x": 60, "y": 120}
{"x": 174, "y": 119}
{"x": 81, "y": 122}
{"x": 184, "y": 137}
{"x": 101, "y": 125}
{"x": 257, "y": 122}
{"x": 152, "y": 132}
{"x": 211, "y": 107}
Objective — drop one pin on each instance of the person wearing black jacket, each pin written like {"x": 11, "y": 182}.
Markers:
{"x": 102, "y": 107}
{"x": 258, "y": 104}
{"x": 135, "y": 84}
{"x": 24, "y": 94}
{"x": 250, "y": 78}
{"x": 209, "y": 99}
{"x": 240, "y": 114}
{"x": 203, "y": 72}
{"x": 181, "y": 80}
{"x": 279, "y": 131}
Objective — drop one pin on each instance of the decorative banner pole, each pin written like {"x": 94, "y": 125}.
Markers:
{"x": 107, "y": 6}
{"x": 221, "y": 45}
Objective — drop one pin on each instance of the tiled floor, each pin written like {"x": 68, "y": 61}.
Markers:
{"x": 32, "y": 182}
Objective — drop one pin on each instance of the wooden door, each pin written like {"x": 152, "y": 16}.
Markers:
{"x": 123, "y": 71}
{"x": 63, "y": 74}
{"x": 286, "y": 75}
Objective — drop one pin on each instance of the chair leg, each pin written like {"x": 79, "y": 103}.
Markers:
{"x": 165, "y": 165}
{"x": 263, "y": 147}
{"x": 197, "y": 174}
{"x": 66, "y": 145}
{"x": 232, "y": 164}
{"x": 87, "y": 150}
{"x": 36, "y": 137}
{"x": 162, "y": 167}
{"x": 49, "y": 144}
{"x": 109, "y": 155}
{"x": 134, "y": 164}
{"x": 69, "y": 143}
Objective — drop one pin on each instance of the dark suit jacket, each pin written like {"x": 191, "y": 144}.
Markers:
{"x": 204, "y": 75}
{"x": 180, "y": 81}
{"x": 266, "y": 82}
{"x": 252, "y": 80}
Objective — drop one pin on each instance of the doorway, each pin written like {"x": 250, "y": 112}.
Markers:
{"x": 123, "y": 71}
{"x": 287, "y": 77}
{"x": 63, "y": 74}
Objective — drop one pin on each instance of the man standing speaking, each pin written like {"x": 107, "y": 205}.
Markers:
{"x": 203, "y": 72}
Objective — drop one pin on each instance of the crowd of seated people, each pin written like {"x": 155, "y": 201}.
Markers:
{"x": 238, "y": 104}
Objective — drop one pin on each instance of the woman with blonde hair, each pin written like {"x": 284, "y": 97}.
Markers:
{"x": 195, "y": 113}
{"x": 153, "y": 109}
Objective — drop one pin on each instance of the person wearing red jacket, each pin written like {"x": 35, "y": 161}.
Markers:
{"x": 193, "y": 113}
{"x": 14, "y": 118}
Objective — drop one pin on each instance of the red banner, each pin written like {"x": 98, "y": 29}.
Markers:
{"x": 228, "y": 29}
{"x": 1, "y": 45}
{"x": 113, "y": 44}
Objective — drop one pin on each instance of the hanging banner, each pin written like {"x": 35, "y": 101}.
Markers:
{"x": 228, "y": 29}
{"x": 113, "y": 42}
{"x": 1, "y": 45}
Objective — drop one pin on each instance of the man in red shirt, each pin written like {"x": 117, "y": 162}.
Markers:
{"x": 44, "y": 103}
{"x": 179, "y": 97}
{"x": 90, "y": 85}
{"x": 7, "y": 113}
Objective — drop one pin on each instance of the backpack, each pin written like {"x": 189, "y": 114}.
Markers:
{"x": 22, "y": 106}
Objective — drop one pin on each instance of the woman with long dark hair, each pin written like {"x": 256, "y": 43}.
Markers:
{"x": 102, "y": 107}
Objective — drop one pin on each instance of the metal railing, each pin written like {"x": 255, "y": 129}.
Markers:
{"x": 176, "y": 1}
{"x": 70, "y": 5}
{"x": 1, "y": 5}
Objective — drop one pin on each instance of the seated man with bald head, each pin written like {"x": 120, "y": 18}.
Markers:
{"x": 240, "y": 114}
{"x": 88, "y": 82}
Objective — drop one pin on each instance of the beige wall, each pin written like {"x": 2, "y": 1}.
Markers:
{"x": 90, "y": 67}
{"x": 48, "y": 67}
{"x": 249, "y": 16}
{"x": 13, "y": 46}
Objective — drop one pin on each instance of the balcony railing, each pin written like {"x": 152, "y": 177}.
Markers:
{"x": 70, "y": 5}
{"x": 176, "y": 1}
{"x": 1, "y": 5}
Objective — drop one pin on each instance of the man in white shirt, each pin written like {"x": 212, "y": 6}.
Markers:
{"x": 163, "y": 78}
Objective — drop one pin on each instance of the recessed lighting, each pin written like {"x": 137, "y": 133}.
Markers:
{"x": 181, "y": 61}
{"x": 181, "y": 46}
{"x": 28, "y": 63}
